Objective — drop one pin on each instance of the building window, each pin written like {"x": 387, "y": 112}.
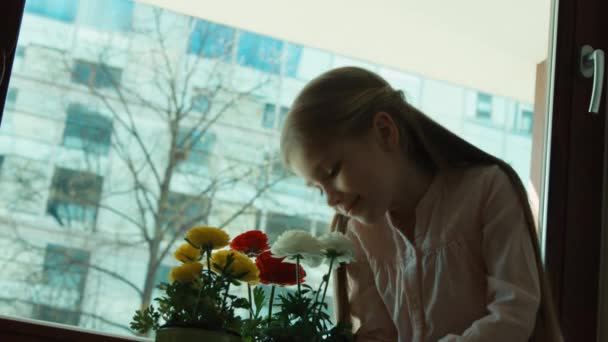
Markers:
{"x": 63, "y": 10}
{"x": 53, "y": 314}
{"x": 211, "y": 40}
{"x": 20, "y": 51}
{"x": 294, "y": 54}
{"x": 484, "y": 106}
{"x": 183, "y": 211}
{"x": 108, "y": 15}
{"x": 11, "y": 97}
{"x": 194, "y": 147}
{"x": 96, "y": 75}
{"x": 524, "y": 122}
{"x": 75, "y": 197}
{"x": 200, "y": 103}
{"x": 87, "y": 130}
{"x": 277, "y": 223}
{"x": 66, "y": 268}
{"x": 259, "y": 52}
{"x": 269, "y": 115}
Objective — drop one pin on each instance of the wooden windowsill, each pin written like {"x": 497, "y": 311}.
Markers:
{"x": 17, "y": 329}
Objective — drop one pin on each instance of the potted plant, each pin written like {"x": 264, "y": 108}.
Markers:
{"x": 197, "y": 304}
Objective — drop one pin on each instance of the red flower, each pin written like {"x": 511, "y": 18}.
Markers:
{"x": 275, "y": 271}
{"x": 252, "y": 243}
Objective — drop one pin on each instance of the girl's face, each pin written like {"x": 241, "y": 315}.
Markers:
{"x": 357, "y": 175}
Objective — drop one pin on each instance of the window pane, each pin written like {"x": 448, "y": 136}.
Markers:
{"x": 117, "y": 14}
{"x": 75, "y": 196}
{"x": 87, "y": 130}
{"x": 268, "y": 115}
{"x": 64, "y": 10}
{"x": 259, "y": 52}
{"x": 82, "y": 72}
{"x": 211, "y": 40}
{"x": 107, "y": 76}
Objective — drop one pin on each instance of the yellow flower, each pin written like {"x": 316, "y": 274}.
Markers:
{"x": 186, "y": 272}
{"x": 186, "y": 253}
{"x": 204, "y": 237}
{"x": 241, "y": 267}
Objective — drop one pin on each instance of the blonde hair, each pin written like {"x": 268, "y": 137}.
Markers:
{"x": 341, "y": 103}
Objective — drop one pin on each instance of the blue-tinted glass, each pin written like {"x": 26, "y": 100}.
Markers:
{"x": 200, "y": 145}
{"x": 259, "y": 52}
{"x": 64, "y": 10}
{"x": 82, "y": 72}
{"x": 107, "y": 76}
{"x": 200, "y": 103}
{"x": 110, "y": 15}
{"x": 75, "y": 196}
{"x": 268, "y": 116}
{"x": 20, "y": 51}
{"x": 87, "y": 130}
{"x": 66, "y": 267}
{"x": 294, "y": 53}
{"x": 11, "y": 97}
{"x": 282, "y": 115}
{"x": 211, "y": 40}
{"x": 484, "y": 106}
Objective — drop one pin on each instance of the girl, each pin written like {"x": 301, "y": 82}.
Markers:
{"x": 447, "y": 248}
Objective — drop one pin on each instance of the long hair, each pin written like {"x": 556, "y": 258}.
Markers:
{"x": 341, "y": 103}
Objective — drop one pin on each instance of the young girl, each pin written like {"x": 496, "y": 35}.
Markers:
{"x": 447, "y": 247}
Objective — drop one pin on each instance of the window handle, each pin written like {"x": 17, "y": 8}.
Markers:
{"x": 592, "y": 65}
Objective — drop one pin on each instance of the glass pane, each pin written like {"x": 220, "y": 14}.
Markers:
{"x": 129, "y": 123}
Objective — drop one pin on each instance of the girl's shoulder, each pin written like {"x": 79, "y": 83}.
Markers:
{"x": 472, "y": 178}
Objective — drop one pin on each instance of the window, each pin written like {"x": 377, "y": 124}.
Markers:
{"x": 87, "y": 130}
{"x": 63, "y": 10}
{"x": 11, "y": 97}
{"x": 54, "y": 314}
{"x": 95, "y": 75}
{"x": 117, "y": 14}
{"x": 259, "y": 52}
{"x": 277, "y": 223}
{"x": 74, "y": 197}
{"x": 66, "y": 268}
{"x": 484, "y": 106}
{"x": 294, "y": 53}
{"x": 195, "y": 147}
{"x": 200, "y": 103}
{"x": 524, "y": 122}
{"x": 183, "y": 211}
{"x": 268, "y": 117}
{"x": 20, "y": 51}
{"x": 211, "y": 40}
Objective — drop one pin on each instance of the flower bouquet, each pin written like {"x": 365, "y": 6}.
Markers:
{"x": 198, "y": 303}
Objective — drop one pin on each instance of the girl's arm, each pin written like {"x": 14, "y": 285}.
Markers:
{"x": 371, "y": 320}
{"x": 512, "y": 276}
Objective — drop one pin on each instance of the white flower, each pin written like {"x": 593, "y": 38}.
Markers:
{"x": 339, "y": 246}
{"x": 294, "y": 243}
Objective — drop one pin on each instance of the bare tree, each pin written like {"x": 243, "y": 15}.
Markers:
{"x": 162, "y": 121}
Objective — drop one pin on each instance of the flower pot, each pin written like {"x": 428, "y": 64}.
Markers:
{"x": 181, "y": 334}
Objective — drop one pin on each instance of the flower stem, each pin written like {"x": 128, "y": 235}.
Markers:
{"x": 225, "y": 297}
{"x": 298, "y": 274}
{"x": 208, "y": 253}
{"x": 331, "y": 264}
{"x": 250, "y": 303}
{"x": 270, "y": 304}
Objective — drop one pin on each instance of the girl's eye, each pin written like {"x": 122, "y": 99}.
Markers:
{"x": 320, "y": 191}
{"x": 334, "y": 170}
